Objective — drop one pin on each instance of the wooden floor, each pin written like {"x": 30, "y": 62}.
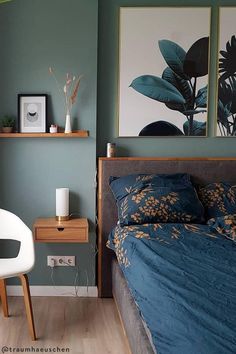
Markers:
{"x": 84, "y": 325}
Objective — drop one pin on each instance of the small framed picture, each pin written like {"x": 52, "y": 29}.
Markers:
{"x": 32, "y": 113}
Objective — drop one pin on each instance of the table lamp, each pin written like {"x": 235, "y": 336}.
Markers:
{"x": 62, "y": 204}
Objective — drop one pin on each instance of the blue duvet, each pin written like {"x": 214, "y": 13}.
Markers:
{"x": 183, "y": 279}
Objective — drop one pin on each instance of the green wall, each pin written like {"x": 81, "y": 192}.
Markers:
{"x": 63, "y": 34}
{"x": 35, "y": 35}
{"x": 108, "y": 89}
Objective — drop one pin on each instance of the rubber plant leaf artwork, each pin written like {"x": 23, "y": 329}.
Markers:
{"x": 196, "y": 59}
{"x": 177, "y": 88}
{"x": 160, "y": 128}
{"x": 182, "y": 86}
{"x": 157, "y": 89}
{"x": 201, "y": 99}
{"x": 193, "y": 111}
{"x": 174, "y": 56}
{"x": 199, "y": 128}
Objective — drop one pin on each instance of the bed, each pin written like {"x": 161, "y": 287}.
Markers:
{"x": 111, "y": 280}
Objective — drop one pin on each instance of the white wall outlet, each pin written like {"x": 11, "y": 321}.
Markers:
{"x": 61, "y": 261}
{"x": 70, "y": 260}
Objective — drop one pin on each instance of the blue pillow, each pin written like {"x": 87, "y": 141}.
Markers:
{"x": 218, "y": 199}
{"x": 146, "y": 198}
{"x": 120, "y": 186}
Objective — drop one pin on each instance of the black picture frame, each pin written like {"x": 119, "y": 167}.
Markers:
{"x": 32, "y": 113}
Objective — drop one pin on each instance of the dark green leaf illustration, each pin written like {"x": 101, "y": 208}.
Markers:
{"x": 224, "y": 113}
{"x": 201, "y": 99}
{"x": 157, "y": 89}
{"x": 198, "y": 128}
{"x": 226, "y": 118}
{"x": 160, "y": 128}
{"x": 174, "y": 56}
{"x": 192, "y": 112}
{"x": 227, "y": 93}
{"x": 182, "y": 86}
{"x": 196, "y": 59}
{"x": 227, "y": 64}
{"x": 177, "y": 88}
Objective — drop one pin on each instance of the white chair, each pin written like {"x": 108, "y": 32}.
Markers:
{"x": 12, "y": 227}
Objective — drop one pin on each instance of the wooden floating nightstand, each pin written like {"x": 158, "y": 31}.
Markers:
{"x": 51, "y": 230}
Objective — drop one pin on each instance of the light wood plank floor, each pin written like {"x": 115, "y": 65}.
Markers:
{"x": 84, "y": 325}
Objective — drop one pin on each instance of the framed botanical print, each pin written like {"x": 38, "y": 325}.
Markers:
{"x": 163, "y": 71}
{"x": 32, "y": 113}
{"x": 226, "y": 97}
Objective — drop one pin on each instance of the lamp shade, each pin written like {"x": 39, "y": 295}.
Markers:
{"x": 62, "y": 204}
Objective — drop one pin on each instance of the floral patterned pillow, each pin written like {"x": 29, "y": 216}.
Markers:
{"x": 157, "y": 198}
{"x": 121, "y": 186}
{"x": 225, "y": 225}
{"x": 218, "y": 199}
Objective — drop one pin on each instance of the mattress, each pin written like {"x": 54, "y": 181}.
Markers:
{"x": 136, "y": 329}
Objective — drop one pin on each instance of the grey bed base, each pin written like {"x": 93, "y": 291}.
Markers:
{"x": 134, "y": 327}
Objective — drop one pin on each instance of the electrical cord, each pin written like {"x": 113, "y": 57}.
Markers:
{"x": 75, "y": 279}
{"x": 74, "y": 283}
{"x": 94, "y": 249}
{"x": 94, "y": 252}
{"x": 76, "y": 293}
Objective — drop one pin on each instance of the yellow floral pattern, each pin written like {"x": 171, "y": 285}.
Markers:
{"x": 225, "y": 225}
{"x": 156, "y": 198}
{"x": 121, "y": 237}
{"x": 120, "y": 234}
{"x": 150, "y": 208}
{"x": 218, "y": 199}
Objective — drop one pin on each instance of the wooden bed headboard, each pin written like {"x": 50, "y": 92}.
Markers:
{"x": 202, "y": 170}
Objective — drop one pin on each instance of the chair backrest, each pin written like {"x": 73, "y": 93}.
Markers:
{"x": 13, "y": 228}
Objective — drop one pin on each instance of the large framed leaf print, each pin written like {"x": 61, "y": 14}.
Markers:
{"x": 226, "y": 100}
{"x": 163, "y": 71}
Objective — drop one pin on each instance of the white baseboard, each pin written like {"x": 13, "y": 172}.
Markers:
{"x": 45, "y": 290}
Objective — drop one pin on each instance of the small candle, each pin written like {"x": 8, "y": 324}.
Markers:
{"x": 62, "y": 204}
{"x": 53, "y": 129}
{"x": 111, "y": 149}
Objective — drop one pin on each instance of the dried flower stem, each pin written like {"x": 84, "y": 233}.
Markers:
{"x": 69, "y": 91}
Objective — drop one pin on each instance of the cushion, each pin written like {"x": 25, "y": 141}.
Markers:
{"x": 225, "y": 225}
{"x": 218, "y": 199}
{"x": 120, "y": 186}
{"x": 147, "y": 198}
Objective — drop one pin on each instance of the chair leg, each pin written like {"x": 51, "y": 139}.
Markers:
{"x": 3, "y": 295}
{"x": 28, "y": 305}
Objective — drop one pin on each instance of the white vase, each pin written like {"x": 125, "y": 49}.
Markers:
{"x": 68, "y": 124}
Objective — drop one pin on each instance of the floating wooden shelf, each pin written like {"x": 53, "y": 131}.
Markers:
{"x": 75, "y": 134}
